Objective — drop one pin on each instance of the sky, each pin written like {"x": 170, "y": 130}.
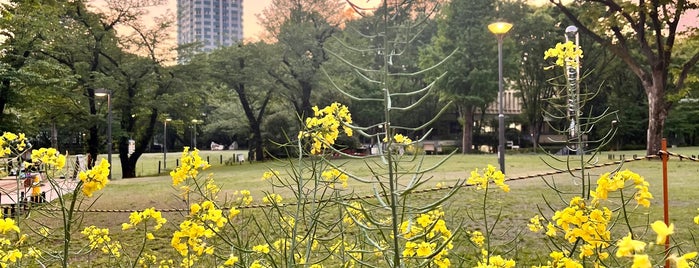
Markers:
{"x": 251, "y": 29}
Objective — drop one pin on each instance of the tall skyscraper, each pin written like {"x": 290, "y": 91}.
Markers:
{"x": 214, "y": 23}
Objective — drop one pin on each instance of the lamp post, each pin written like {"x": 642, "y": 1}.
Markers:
{"x": 499, "y": 29}
{"x": 194, "y": 139}
{"x": 101, "y": 92}
{"x": 165, "y": 142}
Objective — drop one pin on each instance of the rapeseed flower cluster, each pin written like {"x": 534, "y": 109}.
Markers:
{"x": 355, "y": 215}
{"x": 204, "y": 221}
{"x": 631, "y": 248}
{"x": 191, "y": 238}
{"x": 189, "y": 169}
{"x": 99, "y": 237}
{"x": 268, "y": 175}
{"x": 561, "y": 259}
{"x": 10, "y": 253}
{"x": 272, "y": 198}
{"x": 609, "y": 183}
{"x": 208, "y": 213}
{"x": 490, "y": 174}
{"x": 151, "y": 260}
{"x": 49, "y": 157}
{"x": 400, "y": 139}
{"x": 137, "y": 217}
{"x": 494, "y": 261}
{"x": 10, "y": 142}
{"x": 94, "y": 179}
{"x": 244, "y": 197}
{"x": 487, "y": 260}
{"x": 7, "y": 225}
{"x": 565, "y": 53}
{"x": 425, "y": 234}
{"x": 588, "y": 223}
{"x": 324, "y": 127}
{"x": 334, "y": 175}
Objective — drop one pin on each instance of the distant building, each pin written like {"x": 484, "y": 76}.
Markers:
{"x": 213, "y": 23}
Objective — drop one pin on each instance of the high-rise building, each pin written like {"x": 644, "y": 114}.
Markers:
{"x": 213, "y": 23}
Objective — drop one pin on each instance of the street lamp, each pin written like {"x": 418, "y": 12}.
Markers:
{"x": 499, "y": 29}
{"x": 101, "y": 92}
{"x": 165, "y": 142}
{"x": 194, "y": 140}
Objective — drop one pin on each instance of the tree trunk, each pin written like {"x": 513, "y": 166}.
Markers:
{"x": 306, "y": 89}
{"x": 466, "y": 114}
{"x": 657, "y": 113}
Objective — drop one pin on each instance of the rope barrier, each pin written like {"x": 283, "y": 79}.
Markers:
{"x": 435, "y": 189}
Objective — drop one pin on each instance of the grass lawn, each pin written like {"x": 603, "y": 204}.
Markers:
{"x": 530, "y": 192}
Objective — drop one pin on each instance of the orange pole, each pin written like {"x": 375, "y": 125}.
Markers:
{"x": 666, "y": 213}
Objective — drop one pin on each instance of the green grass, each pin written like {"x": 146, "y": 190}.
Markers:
{"x": 529, "y": 192}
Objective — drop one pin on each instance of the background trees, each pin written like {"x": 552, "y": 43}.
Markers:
{"x": 55, "y": 55}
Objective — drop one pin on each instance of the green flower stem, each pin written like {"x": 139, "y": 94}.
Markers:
{"x": 299, "y": 205}
{"x": 485, "y": 222}
{"x": 623, "y": 210}
{"x": 143, "y": 246}
{"x": 68, "y": 220}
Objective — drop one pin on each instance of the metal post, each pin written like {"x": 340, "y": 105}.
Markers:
{"x": 165, "y": 143}
{"x": 666, "y": 213}
{"x": 109, "y": 133}
{"x": 501, "y": 115}
{"x": 573, "y": 74}
{"x": 101, "y": 92}
{"x": 500, "y": 29}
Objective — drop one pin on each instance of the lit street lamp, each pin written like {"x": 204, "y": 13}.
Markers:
{"x": 499, "y": 29}
{"x": 165, "y": 142}
{"x": 101, "y": 92}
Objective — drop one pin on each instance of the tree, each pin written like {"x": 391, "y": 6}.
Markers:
{"x": 404, "y": 61}
{"x": 87, "y": 38}
{"x": 533, "y": 32}
{"x": 243, "y": 70}
{"x": 642, "y": 34}
{"x": 148, "y": 88}
{"x": 301, "y": 27}
{"x": 25, "y": 76}
{"x": 462, "y": 27}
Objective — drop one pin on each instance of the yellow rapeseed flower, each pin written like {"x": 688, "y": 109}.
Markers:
{"x": 49, "y": 157}
{"x": 684, "y": 261}
{"x": 477, "y": 238}
{"x": 8, "y": 224}
{"x": 191, "y": 164}
{"x": 324, "y": 127}
{"x": 261, "y": 248}
{"x": 662, "y": 230}
{"x": 489, "y": 174}
{"x": 641, "y": 261}
{"x": 11, "y": 256}
{"x": 270, "y": 174}
{"x": 535, "y": 224}
{"x": 272, "y": 198}
{"x": 424, "y": 249}
{"x": 232, "y": 260}
{"x": 335, "y": 175}
{"x": 565, "y": 53}
{"x": 11, "y": 142}
{"x": 245, "y": 197}
{"x": 94, "y": 179}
